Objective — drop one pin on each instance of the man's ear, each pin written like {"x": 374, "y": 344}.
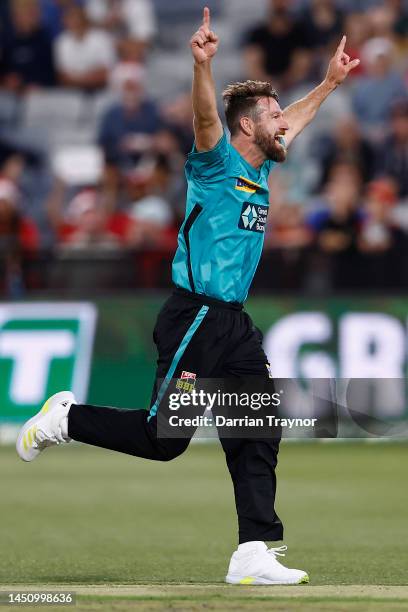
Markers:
{"x": 247, "y": 126}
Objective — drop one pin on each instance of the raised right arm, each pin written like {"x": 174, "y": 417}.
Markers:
{"x": 207, "y": 123}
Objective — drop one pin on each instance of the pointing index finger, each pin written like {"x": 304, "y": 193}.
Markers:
{"x": 206, "y": 17}
{"x": 341, "y": 46}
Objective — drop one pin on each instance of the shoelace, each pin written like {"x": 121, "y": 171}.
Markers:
{"x": 41, "y": 441}
{"x": 278, "y": 552}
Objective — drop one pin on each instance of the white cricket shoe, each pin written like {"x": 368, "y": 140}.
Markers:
{"x": 254, "y": 563}
{"x": 47, "y": 428}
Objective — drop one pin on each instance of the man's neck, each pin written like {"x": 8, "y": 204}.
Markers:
{"x": 249, "y": 152}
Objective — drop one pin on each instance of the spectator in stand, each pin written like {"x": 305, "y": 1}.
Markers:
{"x": 345, "y": 144}
{"x": 178, "y": 114}
{"x": 393, "y": 151}
{"x": 52, "y": 12}
{"x": 27, "y": 59}
{"x": 88, "y": 218}
{"x": 288, "y": 229}
{"x": 357, "y": 30}
{"x": 383, "y": 21}
{"x": 133, "y": 22}
{"x": 382, "y": 244}
{"x": 90, "y": 222}
{"x": 84, "y": 55}
{"x": 18, "y": 239}
{"x": 128, "y": 129}
{"x": 379, "y": 232}
{"x": 322, "y": 24}
{"x": 16, "y": 231}
{"x": 269, "y": 47}
{"x": 337, "y": 221}
{"x": 65, "y": 206}
{"x": 150, "y": 211}
{"x": 130, "y": 17}
{"x": 12, "y": 166}
{"x": 374, "y": 93}
{"x": 336, "y": 228}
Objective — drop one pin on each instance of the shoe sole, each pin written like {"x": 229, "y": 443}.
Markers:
{"x": 26, "y": 436}
{"x": 257, "y": 581}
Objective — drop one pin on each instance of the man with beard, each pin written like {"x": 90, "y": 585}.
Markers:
{"x": 202, "y": 331}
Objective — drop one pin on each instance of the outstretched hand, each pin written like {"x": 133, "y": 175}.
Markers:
{"x": 204, "y": 43}
{"x": 340, "y": 65}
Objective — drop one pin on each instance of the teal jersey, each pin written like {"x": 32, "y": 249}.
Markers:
{"x": 221, "y": 239}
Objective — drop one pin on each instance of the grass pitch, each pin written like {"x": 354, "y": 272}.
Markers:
{"x": 92, "y": 520}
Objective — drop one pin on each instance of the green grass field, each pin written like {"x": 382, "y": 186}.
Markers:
{"x": 93, "y": 520}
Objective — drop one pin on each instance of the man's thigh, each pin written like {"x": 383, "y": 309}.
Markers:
{"x": 247, "y": 358}
{"x": 247, "y": 370}
{"x": 190, "y": 349}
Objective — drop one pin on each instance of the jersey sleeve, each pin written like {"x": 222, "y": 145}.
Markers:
{"x": 209, "y": 164}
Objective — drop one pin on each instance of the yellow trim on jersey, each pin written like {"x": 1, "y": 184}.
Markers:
{"x": 247, "y": 189}
{"x": 249, "y": 186}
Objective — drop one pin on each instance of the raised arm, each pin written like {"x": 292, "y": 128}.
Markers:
{"x": 301, "y": 113}
{"x": 207, "y": 124}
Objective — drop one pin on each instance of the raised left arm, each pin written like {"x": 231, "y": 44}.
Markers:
{"x": 301, "y": 113}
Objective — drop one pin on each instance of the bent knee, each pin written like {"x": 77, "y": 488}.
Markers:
{"x": 173, "y": 450}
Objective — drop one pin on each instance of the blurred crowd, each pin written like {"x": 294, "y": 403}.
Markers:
{"x": 91, "y": 164}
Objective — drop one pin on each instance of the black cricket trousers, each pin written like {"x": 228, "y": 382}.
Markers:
{"x": 209, "y": 338}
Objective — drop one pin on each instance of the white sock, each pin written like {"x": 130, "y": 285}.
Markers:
{"x": 64, "y": 427}
{"x": 250, "y": 546}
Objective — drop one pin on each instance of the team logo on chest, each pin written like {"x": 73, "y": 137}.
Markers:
{"x": 244, "y": 184}
{"x": 253, "y": 217}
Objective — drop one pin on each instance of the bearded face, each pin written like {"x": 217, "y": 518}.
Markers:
{"x": 271, "y": 145}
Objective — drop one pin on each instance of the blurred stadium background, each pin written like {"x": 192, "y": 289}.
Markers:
{"x": 95, "y": 124}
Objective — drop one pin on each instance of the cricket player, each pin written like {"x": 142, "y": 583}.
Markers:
{"x": 202, "y": 329}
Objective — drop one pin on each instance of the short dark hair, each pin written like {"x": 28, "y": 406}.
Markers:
{"x": 240, "y": 100}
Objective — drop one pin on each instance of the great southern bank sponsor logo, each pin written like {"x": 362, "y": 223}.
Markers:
{"x": 253, "y": 217}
